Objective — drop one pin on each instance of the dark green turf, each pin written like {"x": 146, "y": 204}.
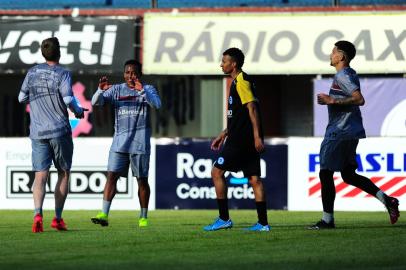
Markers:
{"x": 175, "y": 240}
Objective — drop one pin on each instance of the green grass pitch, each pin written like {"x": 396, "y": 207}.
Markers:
{"x": 175, "y": 240}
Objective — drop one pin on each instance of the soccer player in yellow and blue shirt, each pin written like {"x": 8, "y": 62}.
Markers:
{"x": 242, "y": 143}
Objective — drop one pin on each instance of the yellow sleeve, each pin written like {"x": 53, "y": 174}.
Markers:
{"x": 244, "y": 91}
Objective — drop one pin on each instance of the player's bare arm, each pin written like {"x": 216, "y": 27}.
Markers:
{"x": 254, "y": 117}
{"x": 219, "y": 140}
{"x": 355, "y": 99}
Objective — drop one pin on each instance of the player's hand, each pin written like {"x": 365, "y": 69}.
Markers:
{"x": 135, "y": 84}
{"x": 104, "y": 83}
{"x": 218, "y": 142}
{"x": 259, "y": 145}
{"x": 138, "y": 85}
{"x": 324, "y": 99}
{"x": 81, "y": 114}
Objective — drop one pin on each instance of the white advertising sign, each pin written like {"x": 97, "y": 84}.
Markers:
{"x": 383, "y": 160}
{"x": 193, "y": 43}
{"x": 87, "y": 180}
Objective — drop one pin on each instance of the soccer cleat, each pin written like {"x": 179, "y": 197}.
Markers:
{"x": 258, "y": 228}
{"x": 143, "y": 222}
{"x": 58, "y": 224}
{"x": 321, "y": 225}
{"x": 101, "y": 218}
{"x": 37, "y": 226}
{"x": 219, "y": 224}
{"x": 392, "y": 204}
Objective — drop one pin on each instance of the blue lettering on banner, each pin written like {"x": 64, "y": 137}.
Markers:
{"x": 372, "y": 162}
{"x": 314, "y": 160}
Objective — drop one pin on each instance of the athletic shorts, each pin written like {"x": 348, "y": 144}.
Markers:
{"x": 119, "y": 162}
{"x": 336, "y": 155}
{"x": 235, "y": 159}
{"x": 59, "y": 150}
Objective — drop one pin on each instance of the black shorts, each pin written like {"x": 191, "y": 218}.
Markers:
{"x": 235, "y": 159}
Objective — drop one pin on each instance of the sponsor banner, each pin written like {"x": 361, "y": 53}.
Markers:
{"x": 87, "y": 180}
{"x": 183, "y": 176}
{"x": 382, "y": 114}
{"x": 89, "y": 45}
{"x": 383, "y": 160}
{"x": 272, "y": 43}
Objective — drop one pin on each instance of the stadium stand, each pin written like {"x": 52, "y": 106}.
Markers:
{"x": 242, "y": 3}
{"x": 51, "y": 4}
{"x": 131, "y": 3}
{"x": 144, "y": 4}
{"x": 372, "y": 2}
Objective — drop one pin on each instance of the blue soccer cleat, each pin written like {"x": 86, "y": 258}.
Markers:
{"x": 258, "y": 228}
{"x": 219, "y": 224}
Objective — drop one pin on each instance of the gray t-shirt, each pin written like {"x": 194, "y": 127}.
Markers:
{"x": 132, "y": 117}
{"x": 345, "y": 122}
{"x": 45, "y": 88}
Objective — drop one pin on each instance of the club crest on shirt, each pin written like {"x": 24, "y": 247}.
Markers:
{"x": 220, "y": 160}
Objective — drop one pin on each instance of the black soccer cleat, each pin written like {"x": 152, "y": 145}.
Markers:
{"x": 321, "y": 225}
{"x": 392, "y": 204}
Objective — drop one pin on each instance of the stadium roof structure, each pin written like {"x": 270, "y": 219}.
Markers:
{"x": 140, "y": 12}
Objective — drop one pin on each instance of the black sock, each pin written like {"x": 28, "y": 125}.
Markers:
{"x": 261, "y": 211}
{"x": 328, "y": 190}
{"x": 352, "y": 178}
{"x": 223, "y": 209}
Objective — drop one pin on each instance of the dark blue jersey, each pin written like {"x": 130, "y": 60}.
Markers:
{"x": 345, "y": 122}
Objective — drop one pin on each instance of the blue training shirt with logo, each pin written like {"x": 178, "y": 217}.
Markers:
{"x": 345, "y": 122}
{"x": 48, "y": 90}
{"x": 132, "y": 127}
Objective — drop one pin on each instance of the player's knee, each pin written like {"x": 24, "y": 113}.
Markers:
{"x": 255, "y": 181}
{"x": 326, "y": 175}
{"x": 143, "y": 182}
{"x": 112, "y": 177}
{"x": 348, "y": 175}
{"x": 216, "y": 173}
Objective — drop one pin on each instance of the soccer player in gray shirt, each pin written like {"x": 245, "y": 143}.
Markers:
{"x": 47, "y": 88}
{"x": 131, "y": 101}
{"x": 344, "y": 129}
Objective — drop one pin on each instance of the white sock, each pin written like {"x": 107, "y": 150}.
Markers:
{"x": 106, "y": 207}
{"x": 381, "y": 196}
{"x": 143, "y": 212}
{"x": 328, "y": 217}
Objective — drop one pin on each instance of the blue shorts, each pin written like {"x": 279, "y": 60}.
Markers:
{"x": 59, "y": 150}
{"x": 119, "y": 162}
{"x": 336, "y": 155}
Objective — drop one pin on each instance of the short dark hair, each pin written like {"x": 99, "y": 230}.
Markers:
{"x": 138, "y": 66}
{"x": 347, "y": 47}
{"x": 237, "y": 55}
{"x": 50, "y": 49}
